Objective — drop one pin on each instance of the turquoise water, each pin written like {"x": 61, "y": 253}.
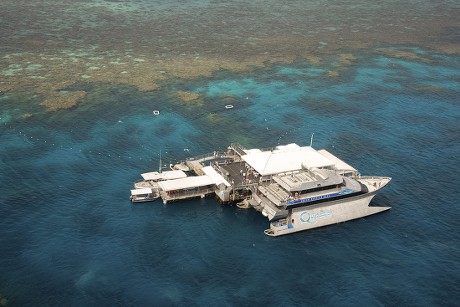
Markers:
{"x": 70, "y": 235}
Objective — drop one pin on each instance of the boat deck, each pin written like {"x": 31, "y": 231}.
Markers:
{"x": 195, "y": 166}
{"x": 181, "y": 195}
{"x": 237, "y": 174}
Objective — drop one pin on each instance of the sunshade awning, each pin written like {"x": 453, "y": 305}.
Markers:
{"x": 285, "y": 158}
{"x": 141, "y": 191}
{"x": 167, "y": 175}
{"x": 186, "y": 183}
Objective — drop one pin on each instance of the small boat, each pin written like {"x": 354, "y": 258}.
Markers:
{"x": 148, "y": 189}
{"x": 229, "y": 106}
{"x": 182, "y": 166}
{"x": 144, "y": 195}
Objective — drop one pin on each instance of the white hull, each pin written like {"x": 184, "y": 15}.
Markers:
{"x": 143, "y": 200}
{"x": 143, "y": 195}
{"x": 328, "y": 213}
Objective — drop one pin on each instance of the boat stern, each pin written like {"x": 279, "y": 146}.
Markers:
{"x": 278, "y": 227}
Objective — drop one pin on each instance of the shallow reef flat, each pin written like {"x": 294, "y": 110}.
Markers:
{"x": 50, "y": 46}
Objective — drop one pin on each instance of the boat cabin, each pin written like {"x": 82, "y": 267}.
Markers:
{"x": 143, "y": 195}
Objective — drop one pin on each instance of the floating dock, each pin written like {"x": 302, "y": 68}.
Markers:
{"x": 223, "y": 177}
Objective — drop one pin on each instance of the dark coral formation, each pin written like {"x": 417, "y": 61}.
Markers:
{"x": 48, "y": 45}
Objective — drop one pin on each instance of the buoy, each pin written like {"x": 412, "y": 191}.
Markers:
{"x": 229, "y": 106}
{"x": 156, "y": 112}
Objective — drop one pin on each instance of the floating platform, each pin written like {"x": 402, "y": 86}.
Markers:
{"x": 296, "y": 188}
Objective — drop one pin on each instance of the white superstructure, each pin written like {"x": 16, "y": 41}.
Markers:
{"x": 285, "y": 158}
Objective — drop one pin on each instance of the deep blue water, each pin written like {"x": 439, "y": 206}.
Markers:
{"x": 70, "y": 236}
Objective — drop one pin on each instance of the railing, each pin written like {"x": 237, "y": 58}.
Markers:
{"x": 187, "y": 194}
{"x": 201, "y": 157}
{"x": 208, "y": 156}
{"x": 217, "y": 154}
{"x": 373, "y": 177}
{"x": 280, "y": 223}
{"x": 374, "y": 182}
{"x": 238, "y": 148}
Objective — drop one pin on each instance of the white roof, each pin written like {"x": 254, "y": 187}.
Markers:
{"x": 339, "y": 164}
{"x": 252, "y": 151}
{"x": 288, "y": 146}
{"x": 141, "y": 191}
{"x": 218, "y": 179}
{"x": 167, "y": 175}
{"x": 285, "y": 158}
{"x": 186, "y": 183}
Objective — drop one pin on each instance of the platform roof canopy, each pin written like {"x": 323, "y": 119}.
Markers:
{"x": 339, "y": 164}
{"x": 167, "y": 175}
{"x": 285, "y": 158}
{"x": 210, "y": 177}
{"x": 186, "y": 183}
{"x": 215, "y": 176}
{"x": 141, "y": 191}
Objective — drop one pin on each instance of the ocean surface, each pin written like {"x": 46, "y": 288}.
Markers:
{"x": 69, "y": 235}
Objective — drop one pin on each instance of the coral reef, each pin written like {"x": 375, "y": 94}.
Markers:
{"x": 404, "y": 54}
{"x": 65, "y": 48}
{"x": 347, "y": 58}
{"x": 188, "y": 96}
{"x": 62, "y": 100}
{"x": 3, "y": 301}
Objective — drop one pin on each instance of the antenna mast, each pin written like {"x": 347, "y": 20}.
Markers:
{"x": 159, "y": 166}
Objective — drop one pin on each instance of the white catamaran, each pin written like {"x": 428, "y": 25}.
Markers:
{"x": 301, "y": 188}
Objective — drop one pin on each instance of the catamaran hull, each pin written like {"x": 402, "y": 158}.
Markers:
{"x": 304, "y": 218}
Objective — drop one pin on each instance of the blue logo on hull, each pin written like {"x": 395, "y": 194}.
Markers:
{"x": 306, "y": 217}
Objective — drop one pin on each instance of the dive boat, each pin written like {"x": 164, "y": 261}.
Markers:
{"x": 151, "y": 183}
{"x": 302, "y": 188}
{"x": 314, "y": 198}
{"x": 144, "y": 195}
